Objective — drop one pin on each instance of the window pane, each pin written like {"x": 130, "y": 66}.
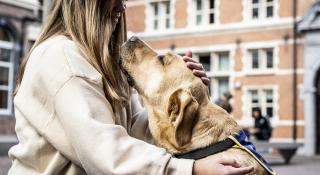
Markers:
{"x": 269, "y": 96}
{"x": 4, "y": 76}
{"x": 199, "y": 19}
{"x": 255, "y": 1}
{"x": 167, "y": 7}
{"x": 223, "y": 86}
{"x": 211, "y": 18}
{"x": 211, "y": 4}
{"x": 5, "y": 55}
{"x": 269, "y": 58}
{"x": 4, "y": 35}
{"x": 3, "y": 99}
{"x": 167, "y": 23}
{"x": 255, "y": 13}
{"x": 254, "y": 96}
{"x": 255, "y": 59}
{"x": 269, "y": 111}
{"x": 270, "y": 11}
{"x": 155, "y": 24}
{"x": 156, "y": 9}
{"x": 205, "y": 60}
{"x": 224, "y": 61}
{"x": 199, "y": 4}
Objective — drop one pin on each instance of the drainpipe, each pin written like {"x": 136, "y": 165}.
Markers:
{"x": 294, "y": 82}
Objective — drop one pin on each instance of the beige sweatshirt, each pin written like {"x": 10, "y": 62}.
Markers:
{"x": 64, "y": 122}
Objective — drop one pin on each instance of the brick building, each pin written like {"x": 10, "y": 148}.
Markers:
{"x": 248, "y": 47}
{"x": 19, "y": 27}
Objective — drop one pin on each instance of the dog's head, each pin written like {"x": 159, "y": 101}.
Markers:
{"x": 168, "y": 88}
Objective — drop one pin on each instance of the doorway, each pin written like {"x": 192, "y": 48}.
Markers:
{"x": 317, "y": 95}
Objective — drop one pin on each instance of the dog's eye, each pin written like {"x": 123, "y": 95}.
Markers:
{"x": 161, "y": 58}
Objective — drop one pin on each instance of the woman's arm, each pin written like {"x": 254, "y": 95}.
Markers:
{"x": 101, "y": 146}
{"x": 139, "y": 120}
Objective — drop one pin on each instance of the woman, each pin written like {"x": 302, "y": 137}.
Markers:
{"x": 74, "y": 110}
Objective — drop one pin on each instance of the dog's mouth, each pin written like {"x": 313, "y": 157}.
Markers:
{"x": 130, "y": 79}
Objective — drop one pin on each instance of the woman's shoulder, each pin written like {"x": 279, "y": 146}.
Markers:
{"x": 61, "y": 54}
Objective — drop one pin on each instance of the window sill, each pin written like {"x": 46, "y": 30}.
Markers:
{"x": 260, "y": 72}
{"x": 218, "y": 74}
{"x": 5, "y": 113}
{"x": 216, "y": 28}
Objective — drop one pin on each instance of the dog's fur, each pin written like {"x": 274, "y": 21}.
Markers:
{"x": 181, "y": 116}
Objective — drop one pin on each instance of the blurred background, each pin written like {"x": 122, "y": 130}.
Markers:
{"x": 265, "y": 53}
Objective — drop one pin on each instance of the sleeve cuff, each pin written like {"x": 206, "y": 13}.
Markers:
{"x": 181, "y": 166}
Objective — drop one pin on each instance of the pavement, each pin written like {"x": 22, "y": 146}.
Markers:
{"x": 5, "y": 164}
{"x": 299, "y": 165}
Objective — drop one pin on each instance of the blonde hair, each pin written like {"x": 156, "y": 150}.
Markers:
{"x": 88, "y": 23}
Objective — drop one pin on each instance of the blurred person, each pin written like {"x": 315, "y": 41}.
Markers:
{"x": 75, "y": 112}
{"x": 224, "y": 101}
{"x": 262, "y": 128}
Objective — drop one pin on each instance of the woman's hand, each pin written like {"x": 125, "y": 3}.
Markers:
{"x": 196, "y": 68}
{"x": 217, "y": 165}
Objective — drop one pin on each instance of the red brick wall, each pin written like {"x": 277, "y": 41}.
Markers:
{"x": 230, "y": 11}
{"x": 285, "y": 9}
{"x": 136, "y": 18}
{"x": 181, "y": 14}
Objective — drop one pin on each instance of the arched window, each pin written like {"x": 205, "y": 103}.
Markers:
{"x": 6, "y": 71}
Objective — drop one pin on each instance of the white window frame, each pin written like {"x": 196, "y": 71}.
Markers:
{"x": 149, "y": 20}
{"x": 192, "y": 14}
{"x": 212, "y": 49}
{"x": 248, "y": 6}
{"x": 247, "y": 58}
{"x": 262, "y": 96}
{"x": 262, "y": 59}
{"x": 247, "y": 119}
{"x": 10, "y": 66}
{"x": 215, "y": 74}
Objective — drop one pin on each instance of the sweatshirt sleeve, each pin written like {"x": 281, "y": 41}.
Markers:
{"x": 102, "y": 147}
{"x": 139, "y": 120}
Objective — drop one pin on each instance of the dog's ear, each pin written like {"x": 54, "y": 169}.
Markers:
{"x": 182, "y": 110}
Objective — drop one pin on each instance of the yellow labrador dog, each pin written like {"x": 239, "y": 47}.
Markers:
{"x": 181, "y": 117}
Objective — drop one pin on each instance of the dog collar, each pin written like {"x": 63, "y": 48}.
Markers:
{"x": 207, "y": 151}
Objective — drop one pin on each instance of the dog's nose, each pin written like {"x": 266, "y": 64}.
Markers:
{"x": 133, "y": 39}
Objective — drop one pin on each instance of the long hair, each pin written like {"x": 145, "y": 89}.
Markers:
{"x": 88, "y": 23}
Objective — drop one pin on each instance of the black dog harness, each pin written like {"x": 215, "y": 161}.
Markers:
{"x": 207, "y": 151}
{"x": 239, "y": 141}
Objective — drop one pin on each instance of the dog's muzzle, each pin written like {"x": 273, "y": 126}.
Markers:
{"x": 129, "y": 77}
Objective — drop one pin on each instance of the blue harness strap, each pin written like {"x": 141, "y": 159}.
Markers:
{"x": 242, "y": 142}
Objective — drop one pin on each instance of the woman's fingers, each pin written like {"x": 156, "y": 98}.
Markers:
{"x": 205, "y": 80}
{"x": 188, "y": 54}
{"x": 239, "y": 171}
{"x": 196, "y": 68}
{"x": 229, "y": 162}
{"x": 189, "y": 59}
{"x": 194, "y": 65}
{"x": 234, "y": 168}
{"x": 199, "y": 73}
{"x": 202, "y": 75}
